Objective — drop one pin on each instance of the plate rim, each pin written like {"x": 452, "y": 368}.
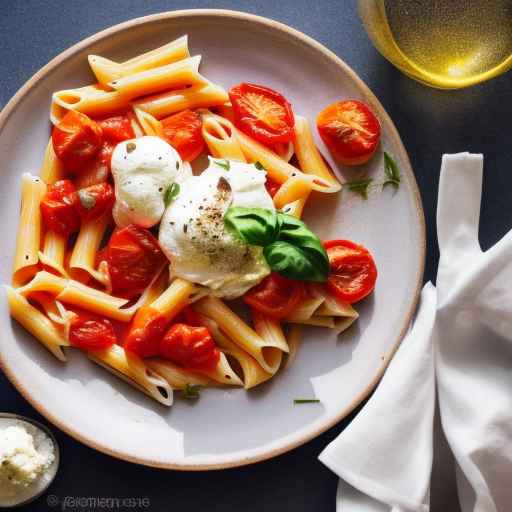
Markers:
{"x": 13, "y": 103}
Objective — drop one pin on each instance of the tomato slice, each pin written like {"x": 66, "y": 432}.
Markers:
{"x": 352, "y": 273}
{"x": 117, "y": 128}
{"x": 146, "y": 331}
{"x": 262, "y": 113}
{"x": 183, "y": 132}
{"x": 276, "y": 296}
{"x": 91, "y": 332}
{"x": 350, "y": 130}
{"x": 58, "y": 208}
{"x": 190, "y": 347}
{"x": 134, "y": 258}
{"x": 95, "y": 201}
{"x": 98, "y": 169}
{"x": 76, "y": 140}
{"x": 272, "y": 186}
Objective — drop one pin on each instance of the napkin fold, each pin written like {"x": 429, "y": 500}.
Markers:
{"x": 461, "y": 340}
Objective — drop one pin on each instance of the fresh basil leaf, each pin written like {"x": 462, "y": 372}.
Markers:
{"x": 359, "y": 187}
{"x": 391, "y": 171}
{"x": 224, "y": 164}
{"x": 295, "y": 232}
{"x": 171, "y": 192}
{"x": 256, "y": 226}
{"x": 191, "y": 391}
{"x": 293, "y": 262}
{"x": 259, "y": 166}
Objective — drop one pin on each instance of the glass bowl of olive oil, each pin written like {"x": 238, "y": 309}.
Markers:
{"x": 448, "y": 44}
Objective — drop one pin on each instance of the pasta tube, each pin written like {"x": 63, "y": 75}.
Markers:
{"x": 52, "y": 169}
{"x": 219, "y": 137}
{"x": 28, "y": 239}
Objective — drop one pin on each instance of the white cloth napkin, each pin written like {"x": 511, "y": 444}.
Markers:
{"x": 461, "y": 340}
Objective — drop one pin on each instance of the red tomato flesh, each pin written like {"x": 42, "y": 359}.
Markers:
{"x": 58, "y": 208}
{"x": 262, "y": 113}
{"x": 190, "y": 347}
{"x": 91, "y": 332}
{"x": 76, "y": 140}
{"x": 146, "y": 331}
{"x": 117, "y": 128}
{"x": 98, "y": 169}
{"x": 183, "y": 132}
{"x": 272, "y": 186}
{"x": 94, "y": 201}
{"x": 350, "y": 130}
{"x": 134, "y": 258}
{"x": 275, "y": 296}
{"x": 353, "y": 272}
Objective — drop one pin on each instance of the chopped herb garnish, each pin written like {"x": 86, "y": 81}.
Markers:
{"x": 306, "y": 401}
{"x": 224, "y": 164}
{"x": 259, "y": 166}
{"x": 391, "y": 170}
{"x": 172, "y": 191}
{"x": 191, "y": 391}
{"x": 87, "y": 200}
{"x": 359, "y": 187}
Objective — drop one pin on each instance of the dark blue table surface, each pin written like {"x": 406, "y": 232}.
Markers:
{"x": 431, "y": 123}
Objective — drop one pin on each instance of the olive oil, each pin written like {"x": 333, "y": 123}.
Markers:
{"x": 447, "y": 44}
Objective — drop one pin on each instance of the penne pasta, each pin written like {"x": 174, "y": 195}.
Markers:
{"x": 293, "y": 189}
{"x": 310, "y": 159}
{"x": 150, "y": 125}
{"x": 54, "y": 250}
{"x": 251, "y": 371}
{"x": 178, "y": 377}
{"x": 175, "y": 298}
{"x": 222, "y": 373}
{"x": 92, "y": 100}
{"x": 82, "y": 263}
{"x": 199, "y": 95}
{"x": 133, "y": 370}
{"x": 219, "y": 137}
{"x": 305, "y": 310}
{"x": 226, "y": 110}
{"x": 296, "y": 208}
{"x": 171, "y": 76}
{"x": 241, "y": 334}
{"x": 52, "y": 169}
{"x": 36, "y": 323}
{"x": 107, "y": 70}
{"x": 28, "y": 239}
{"x": 49, "y": 306}
{"x": 271, "y": 332}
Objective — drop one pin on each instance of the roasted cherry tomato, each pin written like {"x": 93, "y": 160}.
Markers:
{"x": 262, "y": 113}
{"x": 134, "y": 258}
{"x": 117, "y": 128}
{"x": 190, "y": 347}
{"x": 272, "y": 186}
{"x": 91, "y": 332}
{"x": 58, "y": 208}
{"x": 183, "y": 132}
{"x": 188, "y": 316}
{"x": 98, "y": 169}
{"x": 276, "y": 296}
{"x": 95, "y": 201}
{"x": 353, "y": 272}
{"x": 350, "y": 130}
{"x": 76, "y": 140}
{"x": 146, "y": 331}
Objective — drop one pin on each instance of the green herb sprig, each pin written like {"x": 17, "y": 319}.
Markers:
{"x": 191, "y": 391}
{"x": 306, "y": 401}
{"x": 171, "y": 193}
{"x": 225, "y": 164}
{"x": 391, "y": 171}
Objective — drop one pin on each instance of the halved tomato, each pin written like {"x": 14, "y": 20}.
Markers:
{"x": 146, "y": 331}
{"x": 350, "y": 130}
{"x": 117, "y": 128}
{"x": 58, "y": 208}
{"x": 183, "y": 132}
{"x": 95, "y": 201}
{"x": 353, "y": 272}
{"x": 76, "y": 140}
{"x": 276, "y": 296}
{"x": 262, "y": 113}
{"x": 91, "y": 332}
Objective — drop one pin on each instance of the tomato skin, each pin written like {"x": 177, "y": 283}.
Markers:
{"x": 58, "y": 208}
{"x": 350, "y": 130}
{"x": 94, "y": 201}
{"x": 183, "y": 132}
{"x": 262, "y": 113}
{"x": 91, "y": 332}
{"x": 276, "y": 296}
{"x": 146, "y": 331}
{"x": 116, "y": 129}
{"x": 190, "y": 347}
{"x": 353, "y": 272}
{"x": 98, "y": 169}
{"x": 272, "y": 186}
{"x": 76, "y": 140}
{"x": 134, "y": 258}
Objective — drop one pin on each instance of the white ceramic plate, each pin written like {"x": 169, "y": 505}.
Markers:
{"x": 225, "y": 427}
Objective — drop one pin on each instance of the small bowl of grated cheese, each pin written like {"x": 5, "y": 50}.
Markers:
{"x": 29, "y": 459}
